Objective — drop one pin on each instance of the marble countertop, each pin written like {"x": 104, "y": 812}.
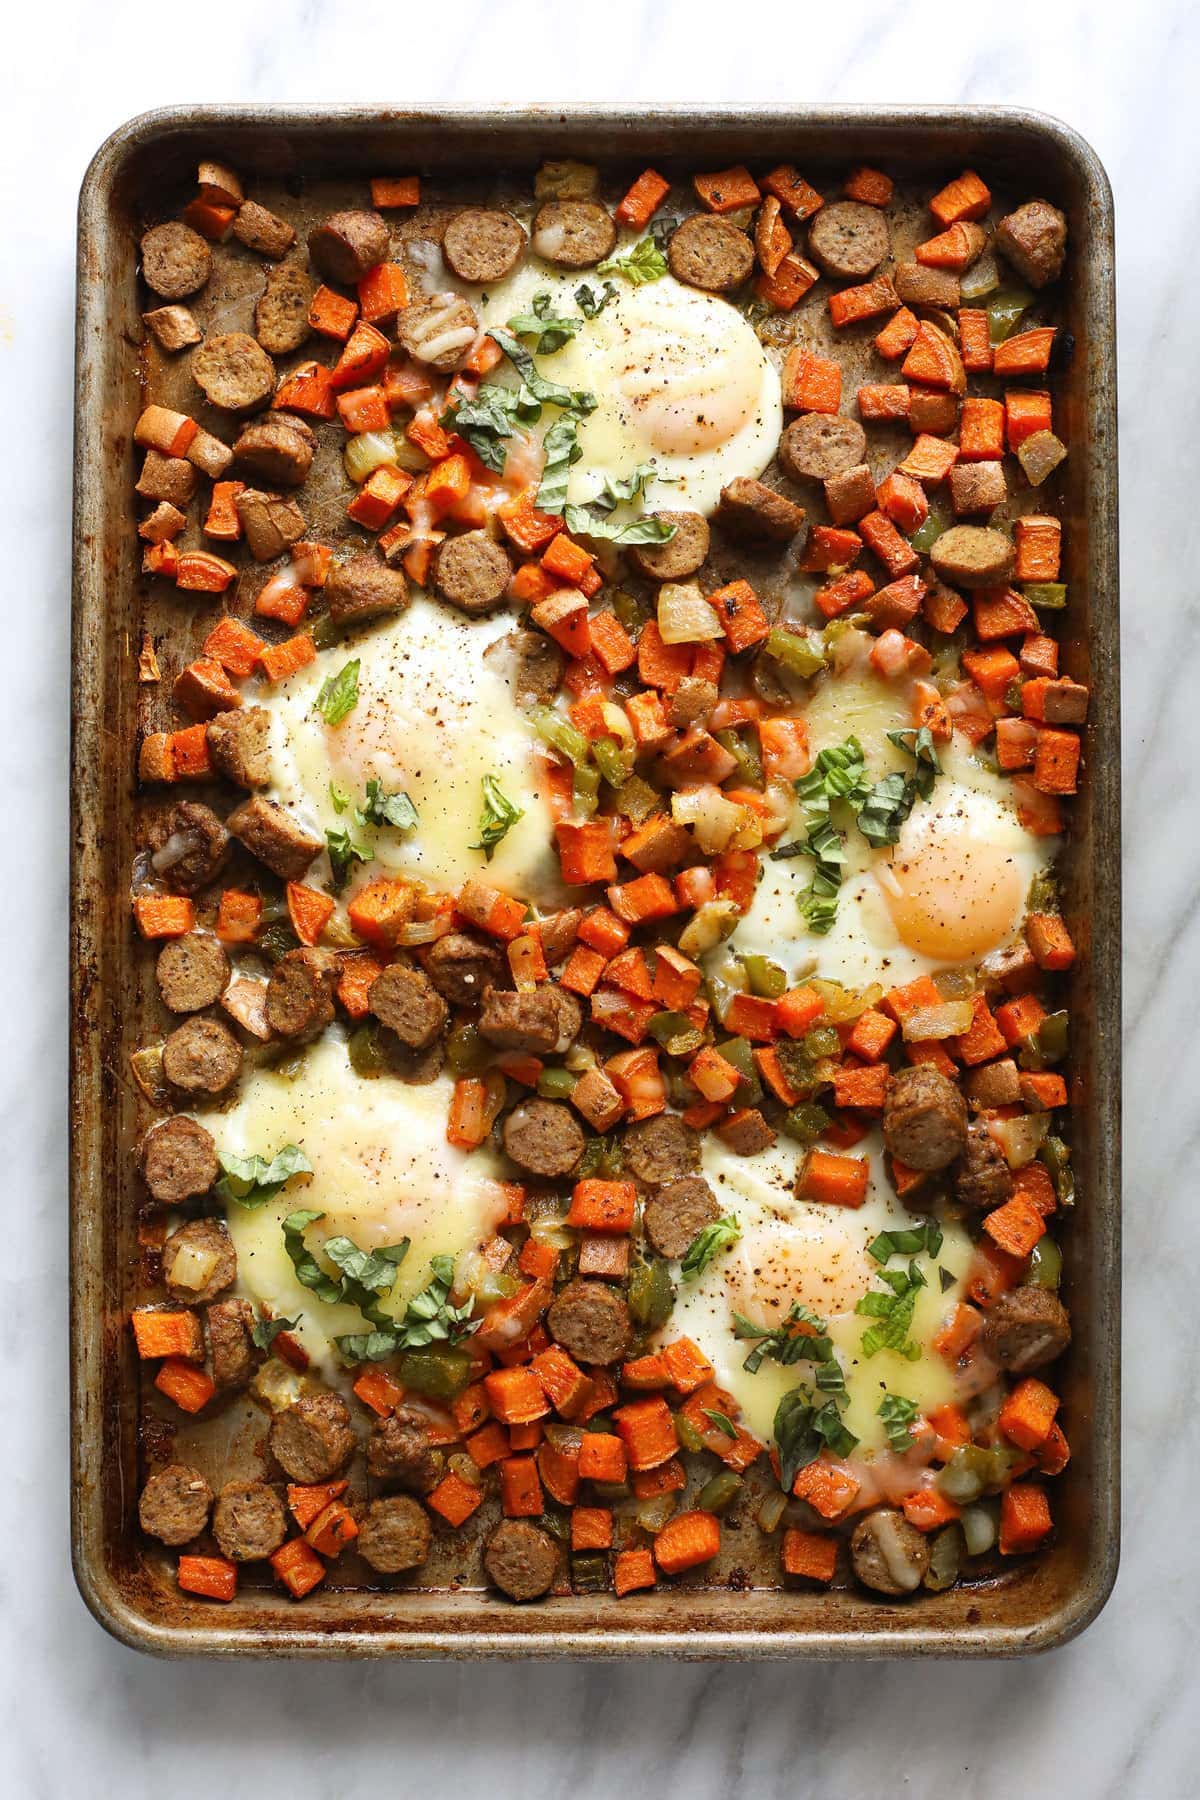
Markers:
{"x": 1115, "y": 1712}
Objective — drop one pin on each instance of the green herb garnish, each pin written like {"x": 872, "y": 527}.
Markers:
{"x": 339, "y": 694}
{"x": 343, "y": 854}
{"x": 898, "y": 1414}
{"x": 893, "y": 1311}
{"x": 253, "y": 1180}
{"x": 499, "y": 817}
{"x": 802, "y": 1429}
{"x": 388, "y": 809}
{"x": 365, "y": 1276}
{"x": 540, "y": 323}
{"x": 926, "y": 1237}
{"x": 428, "y": 1319}
{"x": 562, "y": 448}
{"x": 720, "y": 1421}
{"x": 265, "y": 1331}
{"x": 645, "y": 262}
{"x": 590, "y": 303}
{"x": 708, "y": 1243}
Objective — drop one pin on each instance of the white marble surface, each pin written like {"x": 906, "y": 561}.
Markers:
{"x": 1116, "y": 1712}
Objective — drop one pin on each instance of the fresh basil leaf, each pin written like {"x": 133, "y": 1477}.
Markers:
{"x": 388, "y": 809}
{"x": 802, "y": 1428}
{"x": 720, "y": 1421}
{"x": 646, "y": 530}
{"x": 898, "y": 1414}
{"x": 885, "y": 809}
{"x": 485, "y": 421}
{"x": 265, "y": 1331}
{"x": 499, "y": 817}
{"x": 946, "y": 1279}
{"x": 309, "y": 1272}
{"x": 662, "y": 231}
{"x": 921, "y": 747}
{"x": 339, "y": 694}
{"x": 549, "y": 393}
{"x": 590, "y": 303}
{"x": 802, "y": 1337}
{"x": 645, "y": 262}
{"x": 893, "y": 1311}
{"x": 562, "y": 449}
{"x": 925, "y": 1237}
{"x": 252, "y": 1181}
{"x": 339, "y": 797}
{"x": 343, "y": 854}
{"x": 708, "y": 1243}
{"x": 540, "y": 323}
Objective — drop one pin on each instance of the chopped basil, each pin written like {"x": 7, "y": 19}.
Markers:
{"x": 946, "y": 1279}
{"x": 428, "y": 1319}
{"x": 499, "y": 817}
{"x": 837, "y": 774}
{"x": 589, "y": 303}
{"x": 339, "y": 694}
{"x": 720, "y": 1421}
{"x": 786, "y": 1344}
{"x": 540, "y": 323}
{"x": 488, "y": 419}
{"x": 927, "y": 1237}
{"x": 645, "y": 262}
{"x": 893, "y": 1311}
{"x": 388, "y": 809}
{"x": 549, "y": 393}
{"x": 366, "y": 1275}
{"x": 343, "y": 854}
{"x": 646, "y": 530}
{"x": 707, "y": 1244}
{"x": 265, "y": 1331}
{"x": 802, "y": 1429}
{"x": 252, "y": 1181}
{"x": 890, "y": 801}
{"x": 339, "y": 797}
{"x": 562, "y": 449}
{"x": 898, "y": 1414}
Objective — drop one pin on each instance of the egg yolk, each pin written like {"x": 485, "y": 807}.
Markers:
{"x": 776, "y": 1264}
{"x": 951, "y": 893}
{"x": 690, "y": 383}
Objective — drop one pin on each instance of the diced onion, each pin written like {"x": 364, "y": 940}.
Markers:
{"x": 653, "y": 1514}
{"x": 771, "y": 1512}
{"x": 713, "y": 817}
{"x": 950, "y": 1019}
{"x": 368, "y": 451}
{"x": 983, "y": 277}
{"x": 844, "y": 1004}
{"x": 191, "y": 1267}
{"x": 424, "y": 931}
{"x": 277, "y": 1386}
{"x": 1020, "y": 1139}
{"x": 713, "y": 923}
{"x": 685, "y": 616}
{"x": 978, "y": 1528}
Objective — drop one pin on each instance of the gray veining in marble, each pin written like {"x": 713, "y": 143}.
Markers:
{"x": 1115, "y": 1714}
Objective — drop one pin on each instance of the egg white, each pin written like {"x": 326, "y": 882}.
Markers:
{"x": 681, "y": 381}
{"x": 432, "y": 719}
{"x": 382, "y": 1171}
{"x": 792, "y": 1250}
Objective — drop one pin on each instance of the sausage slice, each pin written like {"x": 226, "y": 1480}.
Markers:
{"x": 711, "y": 254}
{"x": 175, "y": 1504}
{"x": 281, "y": 312}
{"x": 300, "y": 992}
{"x": 405, "y": 1000}
{"x": 461, "y": 967}
{"x": 201, "y": 1056}
{"x": 395, "y": 1535}
{"x": 190, "y": 846}
{"x": 681, "y": 555}
{"x": 248, "y": 1521}
{"x": 364, "y": 588}
{"x": 239, "y": 745}
{"x": 173, "y": 327}
{"x": 574, "y": 234}
{"x": 1025, "y": 1329}
{"x": 751, "y": 510}
{"x": 205, "y": 1238}
{"x": 532, "y": 663}
{"x": 192, "y": 972}
{"x": 544, "y": 1137}
{"x": 661, "y": 1149}
{"x": 591, "y": 1321}
{"x": 262, "y": 230}
{"x": 888, "y": 1554}
{"x": 1034, "y": 239}
{"x": 314, "y": 1438}
{"x": 175, "y": 260}
{"x": 543, "y": 1023}
{"x": 230, "y": 1345}
{"x": 234, "y": 372}
{"x": 521, "y": 1559}
{"x": 849, "y": 240}
{"x": 270, "y": 523}
{"x": 270, "y": 833}
{"x": 816, "y": 446}
{"x": 347, "y": 244}
{"x": 179, "y": 1159}
{"x": 924, "y": 1118}
{"x": 677, "y": 1213}
{"x": 398, "y": 1449}
{"x": 973, "y": 556}
{"x": 918, "y": 285}
{"x": 438, "y": 331}
{"x": 473, "y": 572}
{"x": 482, "y": 246}
{"x": 277, "y": 449}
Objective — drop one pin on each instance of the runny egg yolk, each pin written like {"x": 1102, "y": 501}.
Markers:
{"x": 696, "y": 386}
{"x": 952, "y": 890}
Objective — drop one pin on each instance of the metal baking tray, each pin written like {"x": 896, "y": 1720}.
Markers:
{"x": 308, "y": 157}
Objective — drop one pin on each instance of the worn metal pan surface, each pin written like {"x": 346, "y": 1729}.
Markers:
{"x": 311, "y": 158}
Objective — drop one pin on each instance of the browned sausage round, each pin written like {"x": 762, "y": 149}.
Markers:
{"x": 482, "y": 246}
{"x": 239, "y": 745}
{"x": 918, "y": 285}
{"x": 300, "y": 992}
{"x": 438, "y": 331}
{"x": 364, "y": 588}
{"x": 192, "y": 972}
{"x": 677, "y": 1213}
{"x": 190, "y": 846}
{"x": 395, "y": 1535}
{"x": 277, "y": 449}
{"x": 661, "y": 1149}
{"x": 849, "y": 240}
{"x": 248, "y": 1521}
{"x": 230, "y": 1347}
{"x": 544, "y": 1137}
{"x": 817, "y": 446}
{"x": 559, "y": 932}
{"x": 888, "y": 1554}
{"x": 174, "y": 328}
{"x": 681, "y": 555}
{"x": 205, "y": 1238}
{"x": 1025, "y": 1329}
{"x": 751, "y": 510}
{"x": 234, "y": 372}
{"x": 983, "y": 1178}
{"x": 313, "y": 1439}
{"x": 281, "y": 311}
{"x": 710, "y": 253}
{"x": 270, "y": 522}
{"x": 405, "y": 1000}
{"x": 347, "y": 244}
{"x": 521, "y": 1559}
{"x": 1034, "y": 239}
{"x": 924, "y": 1118}
{"x": 175, "y": 1504}
{"x": 973, "y": 556}
{"x": 270, "y": 833}
{"x": 473, "y": 572}
{"x": 544, "y": 1022}
{"x": 398, "y": 1449}
{"x": 202, "y": 1056}
{"x": 591, "y": 1321}
{"x": 179, "y": 1159}
{"x": 262, "y": 230}
{"x": 175, "y": 260}
{"x": 574, "y": 234}
{"x": 531, "y": 662}
{"x": 461, "y": 967}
